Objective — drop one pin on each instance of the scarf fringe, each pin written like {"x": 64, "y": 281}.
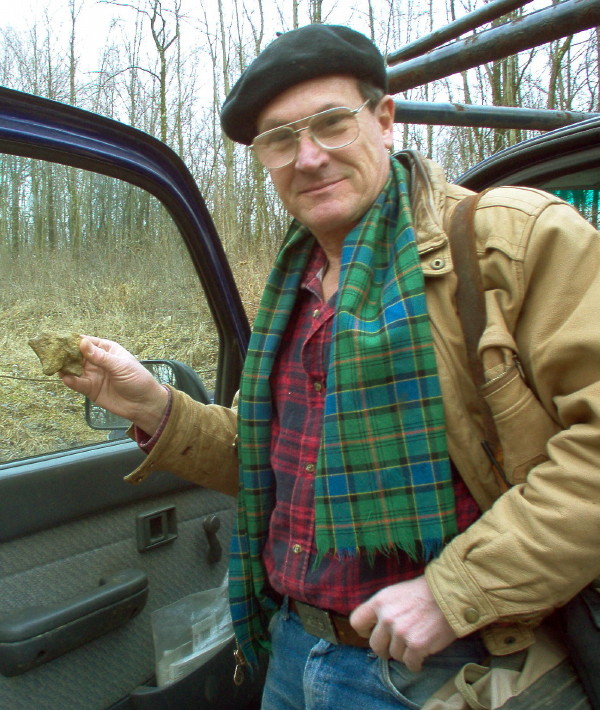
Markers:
{"x": 422, "y": 551}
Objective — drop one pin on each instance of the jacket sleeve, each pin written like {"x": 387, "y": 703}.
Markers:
{"x": 198, "y": 443}
{"x": 539, "y": 543}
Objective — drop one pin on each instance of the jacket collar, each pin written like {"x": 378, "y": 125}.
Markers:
{"x": 428, "y": 190}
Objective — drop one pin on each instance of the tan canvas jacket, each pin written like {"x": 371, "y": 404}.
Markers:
{"x": 537, "y": 544}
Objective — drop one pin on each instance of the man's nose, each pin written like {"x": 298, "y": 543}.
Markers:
{"x": 309, "y": 154}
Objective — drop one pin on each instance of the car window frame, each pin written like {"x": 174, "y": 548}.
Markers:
{"x": 34, "y": 127}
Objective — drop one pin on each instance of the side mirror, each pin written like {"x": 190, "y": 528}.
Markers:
{"x": 168, "y": 372}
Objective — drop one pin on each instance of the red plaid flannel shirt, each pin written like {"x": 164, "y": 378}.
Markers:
{"x": 299, "y": 384}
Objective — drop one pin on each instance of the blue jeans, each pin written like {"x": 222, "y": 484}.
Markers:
{"x": 308, "y": 673}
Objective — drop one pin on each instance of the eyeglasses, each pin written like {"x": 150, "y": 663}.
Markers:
{"x": 330, "y": 129}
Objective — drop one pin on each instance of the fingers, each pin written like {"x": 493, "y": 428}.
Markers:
{"x": 108, "y": 356}
{"x": 388, "y": 643}
{"x": 364, "y": 618}
{"x": 404, "y": 622}
{"x": 388, "y": 640}
{"x": 77, "y": 384}
{"x": 95, "y": 350}
{"x": 368, "y": 622}
{"x": 412, "y": 659}
{"x": 381, "y": 641}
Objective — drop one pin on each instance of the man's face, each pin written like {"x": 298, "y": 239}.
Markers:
{"x": 330, "y": 190}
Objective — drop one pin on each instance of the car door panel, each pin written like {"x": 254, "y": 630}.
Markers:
{"x": 50, "y": 567}
{"x": 72, "y": 484}
{"x": 86, "y": 558}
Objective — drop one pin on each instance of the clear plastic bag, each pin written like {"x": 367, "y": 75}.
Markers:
{"x": 190, "y": 632}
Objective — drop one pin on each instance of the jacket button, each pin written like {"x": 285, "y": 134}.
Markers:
{"x": 438, "y": 264}
{"x": 471, "y": 615}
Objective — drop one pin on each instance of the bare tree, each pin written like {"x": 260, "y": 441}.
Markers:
{"x": 146, "y": 76}
{"x": 316, "y": 11}
{"x": 73, "y": 186}
{"x": 163, "y": 40}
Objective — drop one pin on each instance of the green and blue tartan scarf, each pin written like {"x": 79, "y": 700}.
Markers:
{"x": 383, "y": 481}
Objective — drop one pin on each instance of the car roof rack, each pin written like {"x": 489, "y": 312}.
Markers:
{"x": 436, "y": 56}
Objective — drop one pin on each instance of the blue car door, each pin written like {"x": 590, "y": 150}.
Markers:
{"x": 103, "y": 231}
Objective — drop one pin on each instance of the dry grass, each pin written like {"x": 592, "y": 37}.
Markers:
{"x": 250, "y": 272}
{"x": 149, "y": 302}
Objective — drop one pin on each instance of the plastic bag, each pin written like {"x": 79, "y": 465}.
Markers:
{"x": 190, "y": 632}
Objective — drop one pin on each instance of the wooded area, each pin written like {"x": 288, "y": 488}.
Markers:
{"x": 166, "y": 67}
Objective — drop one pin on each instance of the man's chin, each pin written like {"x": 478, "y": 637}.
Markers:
{"x": 330, "y": 225}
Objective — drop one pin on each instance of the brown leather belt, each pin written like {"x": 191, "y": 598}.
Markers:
{"x": 327, "y": 625}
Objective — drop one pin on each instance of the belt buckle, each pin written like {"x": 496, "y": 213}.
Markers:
{"x": 316, "y": 622}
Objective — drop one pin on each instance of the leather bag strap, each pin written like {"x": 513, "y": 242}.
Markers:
{"x": 470, "y": 305}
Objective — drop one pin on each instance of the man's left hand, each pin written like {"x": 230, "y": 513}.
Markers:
{"x": 404, "y": 622}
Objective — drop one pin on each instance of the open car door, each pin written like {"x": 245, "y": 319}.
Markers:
{"x": 105, "y": 233}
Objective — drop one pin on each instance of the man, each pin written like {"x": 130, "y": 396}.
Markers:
{"x": 361, "y": 558}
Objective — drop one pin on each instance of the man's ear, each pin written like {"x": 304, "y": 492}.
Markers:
{"x": 385, "y": 116}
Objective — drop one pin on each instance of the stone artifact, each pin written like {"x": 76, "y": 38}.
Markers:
{"x": 58, "y": 351}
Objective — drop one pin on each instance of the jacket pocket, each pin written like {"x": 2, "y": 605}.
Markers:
{"x": 522, "y": 423}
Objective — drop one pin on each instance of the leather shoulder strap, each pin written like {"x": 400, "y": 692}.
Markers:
{"x": 470, "y": 305}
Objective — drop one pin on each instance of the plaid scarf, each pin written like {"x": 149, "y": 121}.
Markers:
{"x": 383, "y": 479}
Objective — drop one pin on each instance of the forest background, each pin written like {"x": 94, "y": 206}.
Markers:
{"x": 165, "y": 66}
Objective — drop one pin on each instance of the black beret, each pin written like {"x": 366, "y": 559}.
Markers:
{"x": 305, "y": 53}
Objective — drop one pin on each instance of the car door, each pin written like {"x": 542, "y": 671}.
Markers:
{"x": 565, "y": 162}
{"x": 103, "y": 231}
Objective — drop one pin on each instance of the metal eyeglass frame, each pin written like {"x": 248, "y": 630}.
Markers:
{"x": 296, "y": 132}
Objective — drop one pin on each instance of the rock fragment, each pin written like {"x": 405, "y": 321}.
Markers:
{"x": 58, "y": 351}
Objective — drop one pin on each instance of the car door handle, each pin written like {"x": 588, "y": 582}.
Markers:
{"x": 35, "y": 635}
{"x": 212, "y": 525}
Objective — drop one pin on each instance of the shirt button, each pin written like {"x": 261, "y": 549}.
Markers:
{"x": 297, "y": 549}
{"x": 438, "y": 264}
{"x": 316, "y": 313}
{"x": 471, "y": 615}
{"x": 310, "y": 467}
{"x": 318, "y": 386}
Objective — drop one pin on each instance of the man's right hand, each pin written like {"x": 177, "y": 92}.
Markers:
{"x": 114, "y": 379}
